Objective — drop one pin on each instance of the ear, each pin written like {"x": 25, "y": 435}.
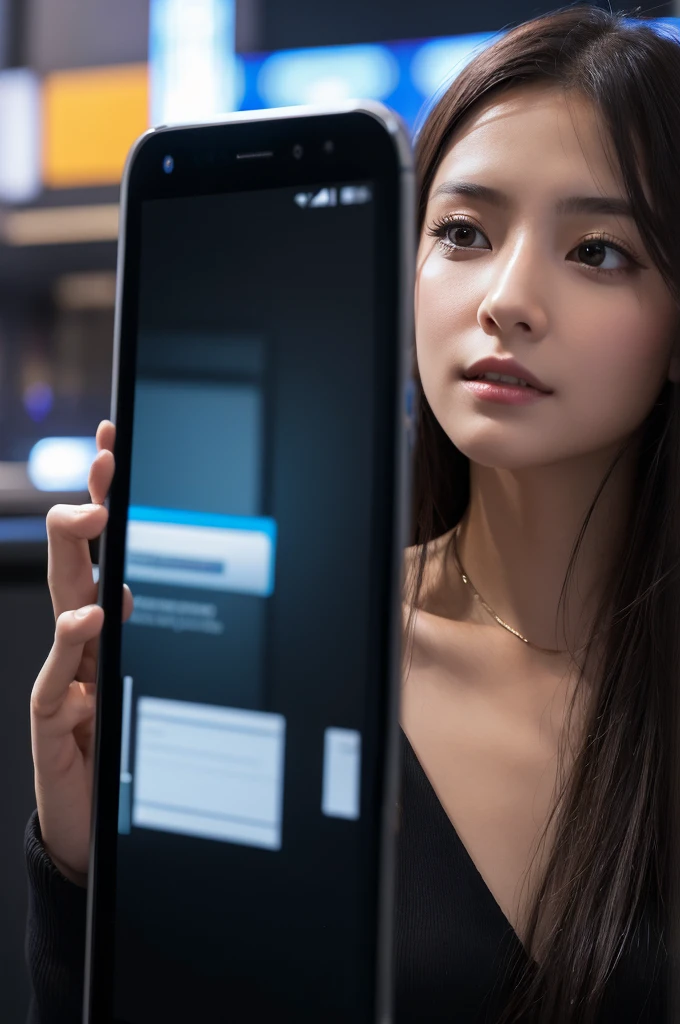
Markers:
{"x": 674, "y": 364}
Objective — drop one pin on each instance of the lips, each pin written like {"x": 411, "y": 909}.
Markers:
{"x": 505, "y": 367}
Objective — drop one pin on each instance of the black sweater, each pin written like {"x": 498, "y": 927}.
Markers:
{"x": 455, "y": 950}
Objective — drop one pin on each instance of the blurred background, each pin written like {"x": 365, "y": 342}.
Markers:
{"x": 79, "y": 81}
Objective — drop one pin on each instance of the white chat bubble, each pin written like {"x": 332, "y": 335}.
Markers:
{"x": 209, "y": 771}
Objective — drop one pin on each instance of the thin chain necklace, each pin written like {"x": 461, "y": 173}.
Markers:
{"x": 466, "y": 579}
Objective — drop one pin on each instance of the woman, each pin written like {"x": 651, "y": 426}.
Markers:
{"x": 539, "y": 683}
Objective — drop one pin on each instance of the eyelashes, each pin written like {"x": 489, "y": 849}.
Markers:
{"x": 442, "y": 228}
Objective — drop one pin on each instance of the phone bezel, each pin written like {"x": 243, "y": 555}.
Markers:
{"x": 370, "y": 141}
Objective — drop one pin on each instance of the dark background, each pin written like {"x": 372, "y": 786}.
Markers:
{"x": 49, "y": 34}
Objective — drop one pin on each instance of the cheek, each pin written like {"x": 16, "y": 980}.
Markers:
{"x": 443, "y": 306}
{"x": 619, "y": 356}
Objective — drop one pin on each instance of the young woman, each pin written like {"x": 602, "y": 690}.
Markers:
{"x": 542, "y": 602}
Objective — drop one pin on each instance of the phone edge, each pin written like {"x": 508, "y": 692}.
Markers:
{"x": 391, "y": 121}
{"x": 401, "y": 500}
{"x": 120, "y": 264}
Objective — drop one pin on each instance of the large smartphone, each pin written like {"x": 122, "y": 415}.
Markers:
{"x": 246, "y": 765}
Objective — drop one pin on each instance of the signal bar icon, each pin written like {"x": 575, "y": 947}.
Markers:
{"x": 324, "y": 197}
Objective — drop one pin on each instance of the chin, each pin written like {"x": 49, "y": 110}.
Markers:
{"x": 509, "y": 461}
{"x": 499, "y": 450}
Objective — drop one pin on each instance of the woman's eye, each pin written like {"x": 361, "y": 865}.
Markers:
{"x": 461, "y": 235}
{"x": 600, "y": 255}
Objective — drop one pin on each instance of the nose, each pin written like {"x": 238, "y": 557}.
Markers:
{"x": 515, "y": 301}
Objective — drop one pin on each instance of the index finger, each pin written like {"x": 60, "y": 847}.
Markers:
{"x": 106, "y": 436}
{"x": 69, "y": 528}
{"x": 101, "y": 471}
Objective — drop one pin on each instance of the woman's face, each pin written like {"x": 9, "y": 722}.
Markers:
{"x": 566, "y": 289}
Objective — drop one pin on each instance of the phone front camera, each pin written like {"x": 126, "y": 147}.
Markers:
{"x": 168, "y": 164}
{"x": 297, "y": 151}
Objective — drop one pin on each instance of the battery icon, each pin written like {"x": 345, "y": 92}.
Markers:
{"x": 352, "y": 195}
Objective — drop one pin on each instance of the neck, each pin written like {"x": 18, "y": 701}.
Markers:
{"x": 517, "y": 535}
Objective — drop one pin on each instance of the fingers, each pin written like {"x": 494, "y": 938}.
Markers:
{"x": 128, "y": 602}
{"x": 101, "y": 475}
{"x": 73, "y": 630}
{"x": 69, "y": 566}
{"x": 70, "y": 527}
{"x": 101, "y": 470}
{"x": 87, "y": 670}
{"x": 106, "y": 435}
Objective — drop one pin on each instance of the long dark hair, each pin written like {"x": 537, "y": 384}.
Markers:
{"x": 610, "y": 865}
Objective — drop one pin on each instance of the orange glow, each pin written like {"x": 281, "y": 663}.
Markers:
{"x": 91, "y": 118}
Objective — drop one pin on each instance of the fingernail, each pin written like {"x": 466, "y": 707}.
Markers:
{"x": 82, "y": 613}
{"x": 88, "y": 508}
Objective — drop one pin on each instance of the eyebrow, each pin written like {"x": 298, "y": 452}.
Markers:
{"x": 603, "y": 205}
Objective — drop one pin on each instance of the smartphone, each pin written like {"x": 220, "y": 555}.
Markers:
{"x": 246, "y": 767}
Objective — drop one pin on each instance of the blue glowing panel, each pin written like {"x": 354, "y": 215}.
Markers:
{"x": 406, "y": 75}
{"x": 201, "y": 550}
{"x": 326, "y": 75}
{"x": 435, "y": 64}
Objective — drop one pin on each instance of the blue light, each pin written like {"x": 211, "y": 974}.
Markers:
{"x": 195, "y": 73}
{"x": 439, "y": 61}
{"x": 61, "y": 463}
{"x": 380, "y": 71}
{"x": 22, "y": 529}
{"x": 215, "y": 520}
{"x": 327, "y": 74}
{"x": 408, "y": 75}
{"x": 38, "y": 400}
{"x": 668, "y": 27}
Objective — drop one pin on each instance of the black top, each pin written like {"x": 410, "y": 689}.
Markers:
{"x": 455, "y": 950}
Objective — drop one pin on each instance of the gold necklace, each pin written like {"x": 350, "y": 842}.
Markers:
{"x": 466, "y": 579}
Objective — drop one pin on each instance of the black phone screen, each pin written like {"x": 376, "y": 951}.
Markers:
{"x": 256, "y": 535}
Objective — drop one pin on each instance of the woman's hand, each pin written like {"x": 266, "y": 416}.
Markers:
{"x": 63, "y": 698}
